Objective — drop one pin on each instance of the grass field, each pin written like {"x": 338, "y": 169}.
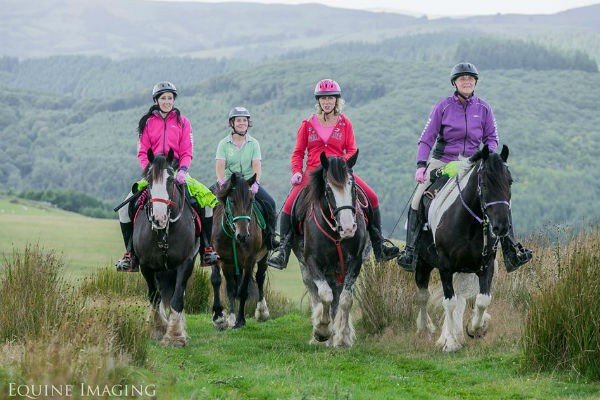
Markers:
{"x": 89, "y": 243}
{"x": 273, "y": 360}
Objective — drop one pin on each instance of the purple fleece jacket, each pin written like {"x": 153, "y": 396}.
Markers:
{"x": 456, "y": 129}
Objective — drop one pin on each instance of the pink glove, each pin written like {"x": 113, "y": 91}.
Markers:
{"x": 221, "y": 182}
{"x": 254, "y": 187}
{"x": 420, "y": 175}
{"x": 296, "y": 179}
{"x": 180, "y": 177}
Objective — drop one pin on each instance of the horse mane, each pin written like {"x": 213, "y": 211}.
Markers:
{"x": 243, "y": 194}
{"x": 153, "y": 171}
{"x": 496, "y": 169}
{"x": 315, "y": 193}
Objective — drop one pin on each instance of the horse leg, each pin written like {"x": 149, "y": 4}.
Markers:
{"x": 425, "y": 327}
{"x": 158, "y": 324}
{"x": 240, "y": 320}
{"x": 262, "y": 311}
{"x": 343, "y": 329}
{"x": 231, "y": 285}
{"x": 176, "y": 334}
{"x": 320, "y": 315}
{"x": 448, "y": 339}
{"x": 480, "y": 319}
{"x": 218, "y": 319}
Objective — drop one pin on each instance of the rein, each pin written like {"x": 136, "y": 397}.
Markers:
{"x": 485, "y": 222}
{"x": 228, "y": 225}
{"x": 332, "y": 214}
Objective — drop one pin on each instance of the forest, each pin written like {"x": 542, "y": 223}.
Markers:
{"x": 69, "y": 121}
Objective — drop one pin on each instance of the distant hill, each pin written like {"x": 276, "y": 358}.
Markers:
{"x": 142, "y": 28}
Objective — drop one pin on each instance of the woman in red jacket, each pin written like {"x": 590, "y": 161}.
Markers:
{"x": 331, "y": 132}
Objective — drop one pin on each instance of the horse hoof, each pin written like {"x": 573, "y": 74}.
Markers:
{"x": 179, "y": 341}
{"x": 239, "y": 325}
{"x": 321, "y": 338}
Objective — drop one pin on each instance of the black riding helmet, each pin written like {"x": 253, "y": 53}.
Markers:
{"x": 461, "y": 69}
{"x": 162, "y": 87}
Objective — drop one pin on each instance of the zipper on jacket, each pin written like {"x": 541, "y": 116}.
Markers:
{"x": 466, "y": 132}
{"x": 165, "y": 134}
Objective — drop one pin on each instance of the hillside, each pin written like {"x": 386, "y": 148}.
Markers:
{"x": 88, "y": 145}
{"x": 142, "y": 28}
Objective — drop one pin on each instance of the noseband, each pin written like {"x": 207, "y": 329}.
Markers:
{"x": 334, "y": 211}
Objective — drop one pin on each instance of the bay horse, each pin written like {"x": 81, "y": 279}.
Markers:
{"x": 467, "y": 219}
{"x": 166, "y": 245}
{"x": 238, "y": 239}
{"x": 330, "y": 248}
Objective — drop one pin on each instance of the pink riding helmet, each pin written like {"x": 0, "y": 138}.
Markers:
{"x": 327, "y": 87}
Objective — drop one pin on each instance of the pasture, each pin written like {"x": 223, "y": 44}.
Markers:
{"x": 271, "y": 360}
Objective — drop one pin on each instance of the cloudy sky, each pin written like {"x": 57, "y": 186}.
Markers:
{"x": 436, "y": 8}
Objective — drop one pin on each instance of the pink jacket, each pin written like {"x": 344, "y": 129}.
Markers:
{"x": 161, "y": 135}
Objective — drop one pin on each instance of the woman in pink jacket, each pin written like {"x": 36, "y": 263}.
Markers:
{"x": 331, "y": 132}
{"x": 161, "y": 129}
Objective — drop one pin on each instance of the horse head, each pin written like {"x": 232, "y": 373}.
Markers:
{"x": 494, "y": 189}
{"x": 238, "y": 200}
{"x": 340, "y": 193}
{"x": 160, "y": 176}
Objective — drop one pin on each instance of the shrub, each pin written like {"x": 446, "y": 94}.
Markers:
{"x": 562, "y": 328}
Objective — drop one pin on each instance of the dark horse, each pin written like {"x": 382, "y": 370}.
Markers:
{"x": 466, "y": 220}
{"x": 164, "y": 240}
{"x": 237, "y": 237}
{"x": 330, "y": 250}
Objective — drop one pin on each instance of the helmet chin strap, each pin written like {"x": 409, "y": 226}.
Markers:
{"x": 240, "y": 134}
{"x": 462, "y": 96}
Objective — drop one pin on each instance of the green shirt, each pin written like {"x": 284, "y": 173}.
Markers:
{"x": 238, "y": 159}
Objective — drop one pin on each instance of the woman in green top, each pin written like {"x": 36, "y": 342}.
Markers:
{"x": 240, "y": 152}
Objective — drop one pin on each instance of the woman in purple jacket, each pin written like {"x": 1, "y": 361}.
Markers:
{"x": 457, "y": 126}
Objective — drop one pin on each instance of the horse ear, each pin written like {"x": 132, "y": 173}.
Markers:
{"x": 150, "y": 155}
{"x": 352, "y": 160}
{"x": 504, "y": 153}
{"x": 485, "y": 152}
{"x": 251, "y": 180}
{"x": 233, "y": 180}
{"x": 324, "y": 160}
{"x": 170, "y": 156}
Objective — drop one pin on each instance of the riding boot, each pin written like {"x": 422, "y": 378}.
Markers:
{"x": 280, "y": 256}
{"x": 406, "y": 259}
{"x": 209, "y": 256}
{"x": 514, "y": 253}
{"x": 125, "y": 263}
{"x": 383, "y": 249}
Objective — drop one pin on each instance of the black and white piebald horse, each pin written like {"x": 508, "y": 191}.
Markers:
{"x": 467, "y": 219}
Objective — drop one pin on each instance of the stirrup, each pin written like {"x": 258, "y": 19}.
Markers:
{"x": 402, "y": 260}
{"x": 277, "y": 259}
{"x": 126, "y": 264}
{"x": 389, "y": 252}
{"x": 210, "y": 257}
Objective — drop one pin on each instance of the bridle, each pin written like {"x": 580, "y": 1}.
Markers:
{"x": 334, "y": 210}
{"x": 170, "y": 203}
{"x": 484, "y": 221}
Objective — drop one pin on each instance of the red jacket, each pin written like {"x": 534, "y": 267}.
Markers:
{"x": 341, "y": 143}
{"x": 161, "y": 135}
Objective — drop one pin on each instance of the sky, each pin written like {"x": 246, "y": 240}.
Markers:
{"x": 438, "y": 8}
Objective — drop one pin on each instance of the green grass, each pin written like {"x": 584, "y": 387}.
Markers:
{"x": 273, "y": 360}
{"x": 89, "y": 243}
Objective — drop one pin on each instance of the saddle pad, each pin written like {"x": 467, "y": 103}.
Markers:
{"x": 444, "y": 199}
